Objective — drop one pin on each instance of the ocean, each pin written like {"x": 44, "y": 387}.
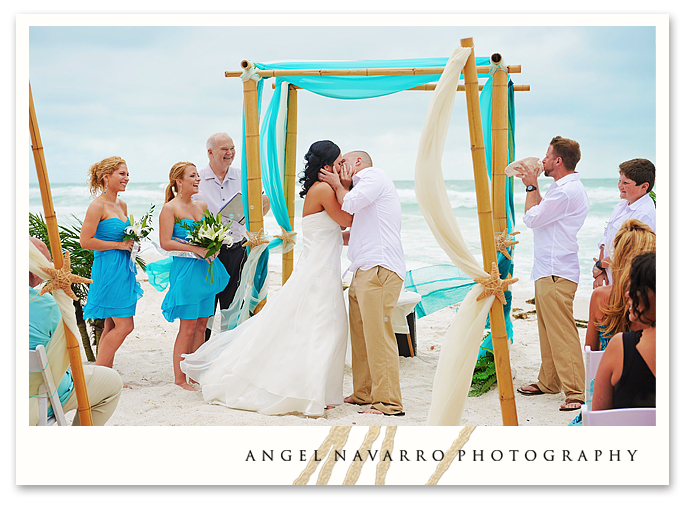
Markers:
{"x": 420, "y": 247}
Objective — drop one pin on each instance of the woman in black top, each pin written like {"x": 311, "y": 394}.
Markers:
{"x": 626, "y": 376}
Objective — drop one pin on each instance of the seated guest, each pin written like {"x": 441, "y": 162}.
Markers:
{"x": 608, "y": 309}
{"x": 103, "y": 384}
{"x": 626, "y": 376}
{"x": 636, "y": 181}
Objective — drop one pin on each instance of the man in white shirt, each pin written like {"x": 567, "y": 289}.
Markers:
{"x": 637, "y": 179}
{"x": 555, "y": 220}
{"x": 219, "y": 183}
{"x": 377, "y": 263}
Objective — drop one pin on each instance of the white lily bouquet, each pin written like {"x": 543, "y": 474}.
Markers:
{"x": 209, "y": 233}
{"x": 137, "y": 231}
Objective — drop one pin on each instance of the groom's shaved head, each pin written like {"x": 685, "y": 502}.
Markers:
{"x": 365, "y": 159}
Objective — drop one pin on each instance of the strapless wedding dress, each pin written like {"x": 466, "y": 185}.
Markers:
{"x": 290, "y": 356}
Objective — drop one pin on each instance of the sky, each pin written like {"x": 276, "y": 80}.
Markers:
{"x": 153, "y": 94}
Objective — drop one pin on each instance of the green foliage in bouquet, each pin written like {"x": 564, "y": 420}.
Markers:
{"x": 139, "y": 230}
{"x": 209, "y": 233}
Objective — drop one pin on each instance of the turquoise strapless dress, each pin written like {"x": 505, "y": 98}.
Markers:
{"x": 191, "y": 293}
{"x": 114, "y": 291}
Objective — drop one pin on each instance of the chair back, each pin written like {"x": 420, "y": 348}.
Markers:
{"x": 47, "y": 391}
{"x": 626, "y": 417}
{"x": 591, "y": 361}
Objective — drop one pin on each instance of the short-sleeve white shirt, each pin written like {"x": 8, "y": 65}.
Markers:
{"x": 555, "y": 222}
{"x": 376, "y": 229}
{"x": 217, "y": 193}
{"x": 642, "y": 209}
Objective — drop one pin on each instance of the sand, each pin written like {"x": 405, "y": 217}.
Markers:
{"x": 145, "y": 364}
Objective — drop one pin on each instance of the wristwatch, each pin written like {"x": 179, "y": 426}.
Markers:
{"x": 599, "y": 266}
{"x": 531, "y": 188}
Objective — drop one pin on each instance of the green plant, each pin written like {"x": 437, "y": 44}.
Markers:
{"x": 484, "y": 374}
{"x": 653, "y": 196}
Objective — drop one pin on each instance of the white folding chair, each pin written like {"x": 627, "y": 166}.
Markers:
{"x": 626, "y": 417}
{"x": 592, "y": 359}
{"x": 38, "y": 362}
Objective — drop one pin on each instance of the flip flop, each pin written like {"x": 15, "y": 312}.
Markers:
{"x": 572, "y": 401}
{"x": 400, "y": 413}
{"x": 530, "y": 392}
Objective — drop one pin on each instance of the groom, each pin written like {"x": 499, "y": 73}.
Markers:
{"x": 377, "y": 261}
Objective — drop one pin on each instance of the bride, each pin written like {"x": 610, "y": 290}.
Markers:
{"x": 290, "y": 356}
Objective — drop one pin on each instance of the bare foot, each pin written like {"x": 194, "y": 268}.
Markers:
{"x": 185, "y": 386}
{"x": 331, "y": 407}
{"x": 349, "y": 400}
{"x": 371, "y": 411}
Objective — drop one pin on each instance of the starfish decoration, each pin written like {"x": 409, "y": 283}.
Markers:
{"x": 502, "y": 242}
{"x": 286, "y": 237}
{"x": 62, "y": 278}
{"x": 494, "y": 285}
{"x": 256, "y": 238}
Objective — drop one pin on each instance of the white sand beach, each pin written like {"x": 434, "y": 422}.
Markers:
{"x": 145, "y": 364}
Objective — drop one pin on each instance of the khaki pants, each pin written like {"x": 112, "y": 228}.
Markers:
{"x": 562, "y": 365}
{"x": 375, "y": 354}
{"x": 104, "y": 387}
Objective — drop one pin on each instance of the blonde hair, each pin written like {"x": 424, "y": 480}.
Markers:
{"x": 105, "y": 167}
{"x": 177, "y": 172}
{"x": 633, "y": 238}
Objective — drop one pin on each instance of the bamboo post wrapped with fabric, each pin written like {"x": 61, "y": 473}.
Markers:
{"x": 73, "y": 350}
{"x": 485, "y": 219}
{"x": 252, "y": 156}
{"x": 290, "y": 173}
{"x": 500, "y": 140}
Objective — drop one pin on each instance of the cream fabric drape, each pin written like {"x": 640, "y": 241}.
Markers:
{"x": 58, "y": 357}
{"x": 461, "y": 343}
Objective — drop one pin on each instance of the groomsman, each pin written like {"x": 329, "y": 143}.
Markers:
{"x": 377, "y": 261}
{"x": 219, "y": 183}
{"x": 555, "y": 220}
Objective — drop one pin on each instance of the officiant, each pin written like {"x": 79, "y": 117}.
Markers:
{"x": 220, "y": 182}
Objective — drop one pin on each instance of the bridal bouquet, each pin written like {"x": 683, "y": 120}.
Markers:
{"x": 209, "y": 233}
{"x": 137, "y": 231}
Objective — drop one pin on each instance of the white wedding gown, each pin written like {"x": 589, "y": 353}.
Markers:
{"x": 290, "y": 356}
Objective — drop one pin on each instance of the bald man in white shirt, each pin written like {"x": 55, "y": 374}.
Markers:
{"x": 219, "y": 183}
{"x": 377, "y": 263}
{"x": 555, "y": 220}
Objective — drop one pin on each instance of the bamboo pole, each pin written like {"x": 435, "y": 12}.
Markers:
{"x": 513, "y": 69}
{"x": 254, "y": 171}
{"x": 83, "y": 405}
{"x": 485, "y": 219}
{"x": 461, "y": 87}
{"x": 499, "y": 143}
{"x": 290, "y": 173}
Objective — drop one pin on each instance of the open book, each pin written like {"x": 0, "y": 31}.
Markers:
{"x": 233, "y": 209}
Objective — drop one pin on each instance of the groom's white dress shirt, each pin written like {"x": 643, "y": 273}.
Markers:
{"x": 376, "y": 228}
{"x": 555, "y": 222}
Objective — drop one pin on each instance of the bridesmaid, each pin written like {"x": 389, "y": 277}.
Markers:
{"x": 191, "y": 294}
{"x": 114, "y": 292}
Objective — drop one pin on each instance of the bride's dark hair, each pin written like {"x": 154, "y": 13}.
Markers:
{"x": 321, "y": 153}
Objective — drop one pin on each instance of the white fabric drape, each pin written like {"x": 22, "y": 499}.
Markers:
{"x": 462, "y": 341}
{"x": 58, "y": 357}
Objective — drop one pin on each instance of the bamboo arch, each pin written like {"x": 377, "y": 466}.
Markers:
{"x": 491, "y": 214}
{"x": 83, "y": 406}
